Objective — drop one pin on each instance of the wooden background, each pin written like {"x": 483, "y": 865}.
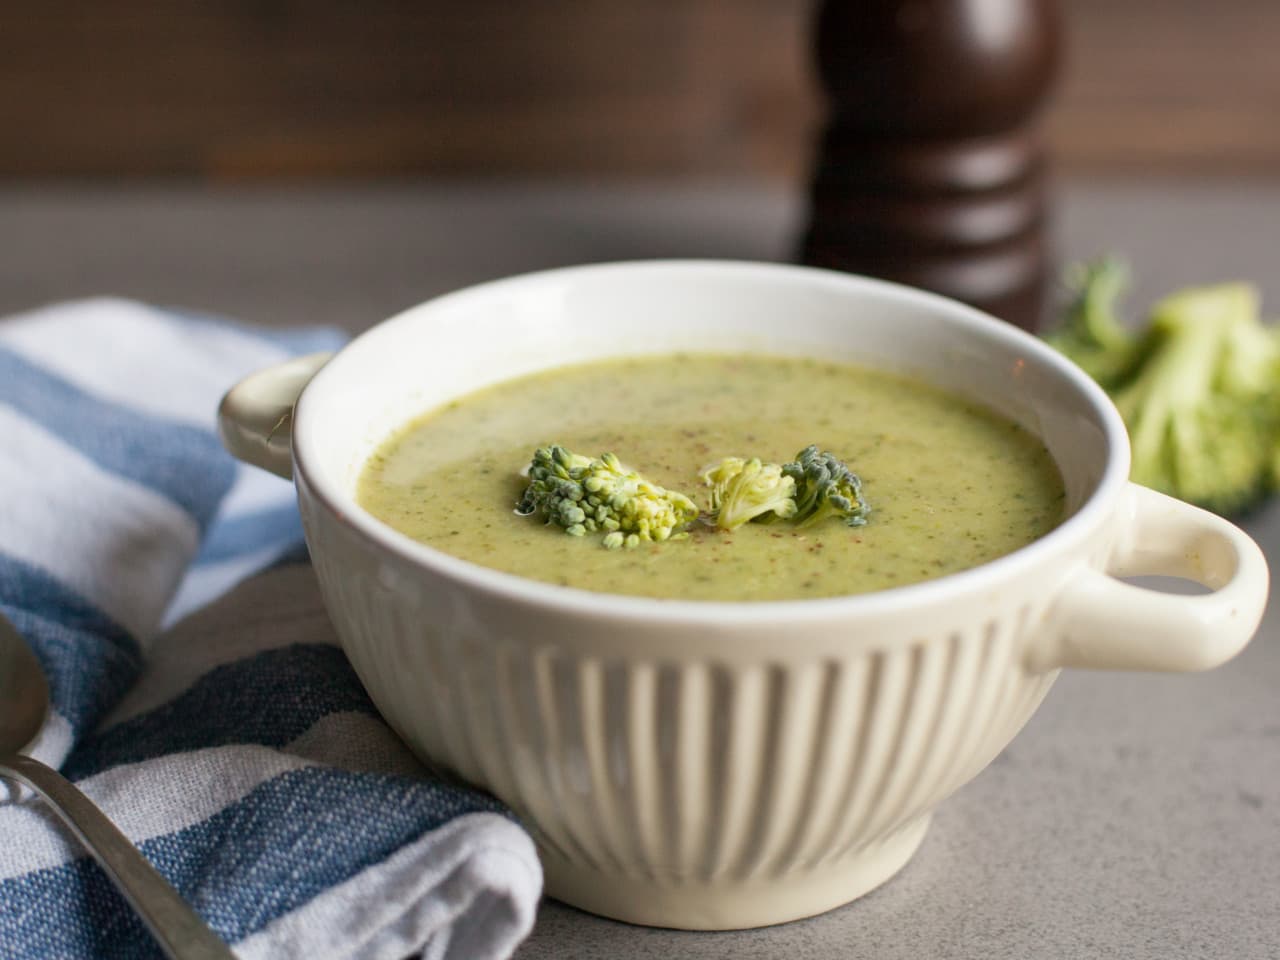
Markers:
{"x": 242, "y": 89}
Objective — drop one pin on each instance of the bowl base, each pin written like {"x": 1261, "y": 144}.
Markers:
{"x": 726, "y": 904}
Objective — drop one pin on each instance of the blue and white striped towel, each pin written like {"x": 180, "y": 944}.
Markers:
{"x": 199, "y": 694}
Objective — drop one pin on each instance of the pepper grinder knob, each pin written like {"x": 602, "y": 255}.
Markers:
{"x": 931, "y": 169}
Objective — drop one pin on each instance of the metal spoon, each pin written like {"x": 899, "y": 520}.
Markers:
{"x": 24, "y": 701}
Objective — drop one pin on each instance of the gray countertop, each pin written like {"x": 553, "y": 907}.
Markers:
{"x": 1136, "y": 816}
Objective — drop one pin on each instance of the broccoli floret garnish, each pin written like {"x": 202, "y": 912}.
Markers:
{"x": 743, "y": 490}
{"x": 809, "y": 490}
{"x": 581, "y": 495}
{"x": 1198, "y": 388}
{"x": 825, "y": 487}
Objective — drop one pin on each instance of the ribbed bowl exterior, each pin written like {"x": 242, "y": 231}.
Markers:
{"x": 683, "y": 779}
{"x": 732, "y": 765}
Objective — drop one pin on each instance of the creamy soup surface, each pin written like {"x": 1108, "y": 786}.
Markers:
{"x": 949, "y": 484}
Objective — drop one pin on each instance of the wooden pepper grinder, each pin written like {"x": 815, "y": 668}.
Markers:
{"x": 930, "y": 170}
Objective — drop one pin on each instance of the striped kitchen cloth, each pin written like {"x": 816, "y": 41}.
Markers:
{"x": 199, "y": 693}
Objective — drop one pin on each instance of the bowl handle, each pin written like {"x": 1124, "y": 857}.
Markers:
{"x": 1102, "y": 622}
{"x": 255, "y": 416}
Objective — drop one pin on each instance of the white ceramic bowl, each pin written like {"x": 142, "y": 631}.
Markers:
{"x": 719, "y": 765}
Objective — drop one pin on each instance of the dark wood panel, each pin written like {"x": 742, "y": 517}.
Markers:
{"x": 1171, "y": 85}
{"x": 672, "y": 88}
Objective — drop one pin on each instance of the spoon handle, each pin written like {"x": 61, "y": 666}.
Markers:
{"x": 178, "y": 928}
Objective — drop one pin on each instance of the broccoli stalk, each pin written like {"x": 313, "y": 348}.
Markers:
{"x": 743, "y": 490}
{"x": 1201, "y": 406}
{"x": 582, "y": 496}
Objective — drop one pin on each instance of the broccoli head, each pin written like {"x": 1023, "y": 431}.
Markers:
{"x": 581, "y": 495}
{"x": 825, "y": 487}
{"x": 1091, "y": 333}
{"x": 1198, "y": 387}
{"x": 743, "y": 490}
{"x": 1201, "y": 407}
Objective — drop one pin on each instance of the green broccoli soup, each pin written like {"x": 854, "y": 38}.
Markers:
{"x": 541, "y": 475}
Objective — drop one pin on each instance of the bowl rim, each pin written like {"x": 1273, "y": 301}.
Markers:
{"x": 1079, "y": 527}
